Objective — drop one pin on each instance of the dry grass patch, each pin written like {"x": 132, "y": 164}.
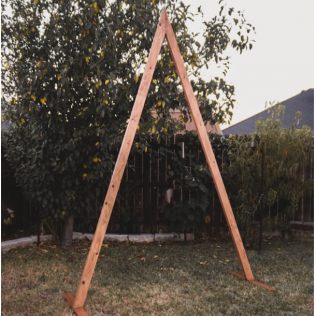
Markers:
{"x": 168, "y": 279}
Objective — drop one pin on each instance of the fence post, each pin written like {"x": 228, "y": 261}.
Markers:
{"x": 263, "y": 152}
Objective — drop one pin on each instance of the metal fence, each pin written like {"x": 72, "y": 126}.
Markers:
{"x": 142, "y": 193}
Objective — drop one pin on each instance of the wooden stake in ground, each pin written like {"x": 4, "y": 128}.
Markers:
{"x": 164, "y": 28}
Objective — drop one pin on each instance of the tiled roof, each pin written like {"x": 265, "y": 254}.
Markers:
{"x": 303, "y": 102}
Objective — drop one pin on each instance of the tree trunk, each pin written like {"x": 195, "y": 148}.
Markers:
{"x": 68, "y": 231}
{"x": 3, "y": 210}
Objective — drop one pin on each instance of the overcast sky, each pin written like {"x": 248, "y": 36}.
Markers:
{"x": 281, "y": 63}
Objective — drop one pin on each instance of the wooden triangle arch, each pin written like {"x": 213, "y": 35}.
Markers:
{"x": 164, "y": 28}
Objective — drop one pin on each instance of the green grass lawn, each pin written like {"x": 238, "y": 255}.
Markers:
{"x": 167, "y": 279}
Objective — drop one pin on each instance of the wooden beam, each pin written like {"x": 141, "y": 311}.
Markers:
{"x": 241, "y": 276}
{"x": 236, "y": 274}
{"x": 78, "y": 311}
{"x": 266, "y": 287}
{"x": 120, "y": 166}
{"x": 207, "y": 148}
{"x": 164, "y": 28}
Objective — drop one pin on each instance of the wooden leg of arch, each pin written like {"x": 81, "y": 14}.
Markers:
{"x": 79, "y": 311}
{"x": 241, "y": 276}
{"x": 164, "y": 29}
{"x": 77, "y": 301}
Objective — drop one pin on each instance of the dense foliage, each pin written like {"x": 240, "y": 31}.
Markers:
{"x": 192, "y": 182}
{"x": 287, "y": 152}
{"x": 70, "y": 73}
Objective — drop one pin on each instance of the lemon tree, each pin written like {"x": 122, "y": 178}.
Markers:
{"x": 70, "y": 73}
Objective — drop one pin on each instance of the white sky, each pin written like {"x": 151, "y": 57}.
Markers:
{"x": 281, "y": 62}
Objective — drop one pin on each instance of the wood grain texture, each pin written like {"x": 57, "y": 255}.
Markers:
{"x": 207, "y": 148}
{"x": 236, "y": 274}
{"x": 266, "y": 287}
{"x": 78, "y": 311}
{"x": 241, "y": 276}
{"x": 164, "y": 28}
{"x": 120, "y": 165}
